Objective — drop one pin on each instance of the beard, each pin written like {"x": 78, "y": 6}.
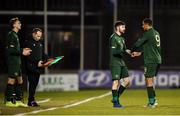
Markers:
{"x": 122, "y": 31}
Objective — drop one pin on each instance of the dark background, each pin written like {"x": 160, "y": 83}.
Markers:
{"x": 64, "y": 30}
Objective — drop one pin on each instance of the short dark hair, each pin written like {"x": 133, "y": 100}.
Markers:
{"x": 12, "y": 21}
{"x": 148, "y": 21}
{"x": 35, "y": 30}
{"x": 118, "y": 23}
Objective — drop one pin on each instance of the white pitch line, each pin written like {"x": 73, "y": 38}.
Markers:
{"x": 36, "y": 111}
{"x": 43, "y": 101}
{"x": 66, "y": 106}
{"x": 86, "y": 100}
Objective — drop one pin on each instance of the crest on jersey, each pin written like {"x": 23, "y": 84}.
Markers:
{"x": 12, "y": 46}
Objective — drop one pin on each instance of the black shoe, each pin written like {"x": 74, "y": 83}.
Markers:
{"x": 33, "y": 104}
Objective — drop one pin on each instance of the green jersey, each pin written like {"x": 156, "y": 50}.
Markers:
{"x": 150, "y": 44}
{"x": 117, "y": 48}
{"x": 13, "y": 51}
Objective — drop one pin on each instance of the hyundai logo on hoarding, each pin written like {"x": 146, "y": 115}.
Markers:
{"x": 95, "y": 78}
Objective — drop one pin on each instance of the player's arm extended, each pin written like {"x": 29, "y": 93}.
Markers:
{"x": 138, "y": 44}
{"x": 126, "y": 51}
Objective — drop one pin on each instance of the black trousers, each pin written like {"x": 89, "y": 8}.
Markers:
{"x": 33, "y": 79}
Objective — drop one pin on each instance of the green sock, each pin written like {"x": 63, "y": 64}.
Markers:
{"x": 19, "y": 92}
{"x": 154, "y": 94}
{"x": 151, "y": 94}
{"x": 9, "y": 92}
{"x": 121, "y": 90}
{"x": 115, "y": 95}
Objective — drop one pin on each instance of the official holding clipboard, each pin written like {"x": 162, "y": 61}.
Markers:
{"x": 52, "y": 61}
{"x": 34, "y": 63}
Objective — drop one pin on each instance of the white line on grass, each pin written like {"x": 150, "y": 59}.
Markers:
{"x": 36, "y": 111}
{"x": 67, "y": 106}
{"x": 43, "y": 101}
{"x": 86, "y": 100}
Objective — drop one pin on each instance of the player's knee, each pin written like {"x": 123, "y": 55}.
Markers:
{"x": 11, "y": 81}
{"x": 127, "y": 83}
{"x": 20, "y": 81}
{"x": 149, "y": 82}
{"x": 115, "y": 84}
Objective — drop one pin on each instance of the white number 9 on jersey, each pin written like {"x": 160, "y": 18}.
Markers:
{"x": 158, "y": 43}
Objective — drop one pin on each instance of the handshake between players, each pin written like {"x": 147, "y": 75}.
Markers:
{"x": 134, "y": 53}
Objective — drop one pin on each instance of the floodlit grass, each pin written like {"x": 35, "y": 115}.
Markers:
{"x": 133, "y": 100}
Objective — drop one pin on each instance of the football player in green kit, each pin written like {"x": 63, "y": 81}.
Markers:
{"x": 150, "y": 45}
{"x": 118, "y": 67}
{"x": 13, "y": 54}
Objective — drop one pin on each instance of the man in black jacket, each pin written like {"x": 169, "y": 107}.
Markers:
{"x": 34, "y": 63}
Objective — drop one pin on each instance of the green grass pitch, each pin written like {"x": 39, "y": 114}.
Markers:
{"x": 132, "y": 100}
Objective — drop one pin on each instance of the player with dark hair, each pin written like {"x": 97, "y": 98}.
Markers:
{"x": 14, "y": 91}
{"x": 118, "y": 67}
{"x": 34, "y": 63}
{"x": 151, "y": 49}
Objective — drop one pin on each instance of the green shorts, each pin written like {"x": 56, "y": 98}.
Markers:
{"x": 14, "y": 71}
{"x": 119, "y": 72}
{"x": 151, "y": 70}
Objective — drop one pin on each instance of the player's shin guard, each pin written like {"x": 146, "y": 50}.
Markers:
{"x": 115, "y": 99}
{"x": 115, "y": 96}
{"x": 121, "y": 90}
{"x": 151, "y": 95}
{"x": 19, "y": 92}
{"x": 9, "y": 93}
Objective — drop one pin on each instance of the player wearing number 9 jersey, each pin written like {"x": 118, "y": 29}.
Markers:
{"x": 150, "y": 45}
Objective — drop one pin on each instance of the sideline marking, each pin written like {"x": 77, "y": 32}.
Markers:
{"x": 66, "y": 106}
{"x": 86, "y": 100}
{"x": 43, "y": 101}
